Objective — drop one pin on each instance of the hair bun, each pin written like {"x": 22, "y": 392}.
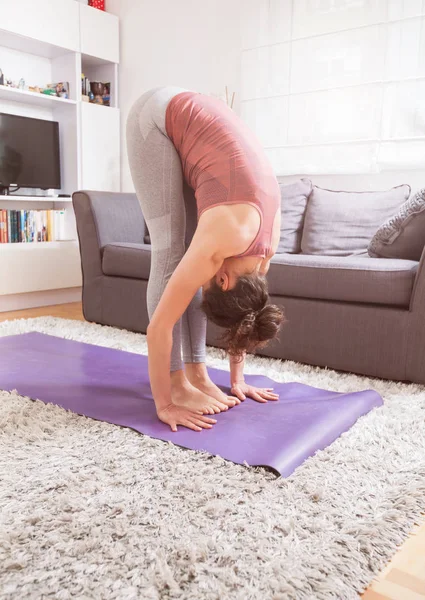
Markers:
{"x": 267, "y": 322}
{"x": 256, "y": 328}
{"x": 262, "y": 313}
{"x": 247, "y": 324}
{"x": 248, "y": 321}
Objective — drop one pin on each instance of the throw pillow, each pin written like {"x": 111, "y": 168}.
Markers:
{"x": 403, "y": 235}
{"x": 294, "y": 201}
{"x": 343, "y": 223}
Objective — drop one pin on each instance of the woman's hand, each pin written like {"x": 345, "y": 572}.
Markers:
{"x": 174, "y": 415}
{"x": 242, "y": 390}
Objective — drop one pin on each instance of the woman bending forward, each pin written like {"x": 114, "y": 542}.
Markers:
{"x": 180, "y": 142}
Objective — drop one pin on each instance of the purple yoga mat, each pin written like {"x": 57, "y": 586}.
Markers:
{"x": 113, "y": 386}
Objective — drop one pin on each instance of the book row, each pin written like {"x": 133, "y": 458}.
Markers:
{"x": 25, "y": 226}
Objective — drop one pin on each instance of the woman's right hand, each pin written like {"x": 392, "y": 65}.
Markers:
{"x": 174, "y": 415}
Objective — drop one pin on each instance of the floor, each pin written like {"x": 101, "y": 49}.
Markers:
{"x": 402, "y": 579}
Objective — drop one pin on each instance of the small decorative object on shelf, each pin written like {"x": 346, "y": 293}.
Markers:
{"x": 61, "y": 90}
{"x": 100, "y": 4}
{"x": 98, "y": 90}
{"x": 107, "y": 94}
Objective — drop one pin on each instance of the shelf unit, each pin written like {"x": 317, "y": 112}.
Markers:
{"x": 32, "y": 98}
{"x": 45, "y": 41}
{"x": 62, "y": 259}
{"x": 32, "y": 199}
{"x": 28, "y": 247}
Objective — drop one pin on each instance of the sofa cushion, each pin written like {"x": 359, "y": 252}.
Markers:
{"x": 293, "y": 204}
{"x": 345, "y": 279}
{"x": 343, "y": 223}
{"x": 127, "y": 260}
{"x": 403, "y": 235}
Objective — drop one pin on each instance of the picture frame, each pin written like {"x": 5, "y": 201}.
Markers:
{"x": 61, "y": 89}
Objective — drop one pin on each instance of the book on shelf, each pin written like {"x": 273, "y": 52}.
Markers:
{"x": 32, "y": 226}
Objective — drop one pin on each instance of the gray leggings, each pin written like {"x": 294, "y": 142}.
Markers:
{"x": 169, "y": 209}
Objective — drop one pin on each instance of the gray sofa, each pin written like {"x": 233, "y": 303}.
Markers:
{"x": 358, "y": 314}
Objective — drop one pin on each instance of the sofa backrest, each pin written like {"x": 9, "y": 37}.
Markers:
{"x": 118, "y": 217}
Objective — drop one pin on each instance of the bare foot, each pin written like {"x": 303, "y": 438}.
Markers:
{"x": 183, "y": 393}
{"x": 197, "y": 375}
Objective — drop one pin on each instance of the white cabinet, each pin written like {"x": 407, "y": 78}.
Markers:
{"x": 99, "y": 33}
{"x": 39, "y": 266}
{"x": 54, "y": 22}
{"x": 57, "y": 40}
{"x": 100, "y": 155}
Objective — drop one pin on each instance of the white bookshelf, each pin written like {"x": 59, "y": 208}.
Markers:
{"x": 63, "y": 272}
{"x": 32, "y": 98}
{"x": 28, "y": 247}
{"x": 32, "y": 199}
{"x": 46, "y": 41}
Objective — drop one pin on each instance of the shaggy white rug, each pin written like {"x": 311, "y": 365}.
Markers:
{"x": 90, "y": 510}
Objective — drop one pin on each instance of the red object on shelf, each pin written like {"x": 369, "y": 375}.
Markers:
{"x": 100, "y": 4}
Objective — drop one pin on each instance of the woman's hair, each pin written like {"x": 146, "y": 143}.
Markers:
{"x": 248, "y": 320}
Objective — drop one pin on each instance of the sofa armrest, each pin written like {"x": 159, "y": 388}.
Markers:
{"x": 104, "y": 218}
{"x": 417, "y": 301}
{"x": 415, "y": 330}
{"x": 117, "y": 217}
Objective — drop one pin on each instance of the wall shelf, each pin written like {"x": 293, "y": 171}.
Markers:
{"x": 33, "y": 98}
{"x": 38, "y": 266}
{"x": 48, "y": 199}
{"x": 27, "y": 246}
{"x": 85, "y": 103}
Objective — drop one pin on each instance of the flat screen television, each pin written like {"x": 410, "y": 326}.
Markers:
{"x": 29, "y": 153}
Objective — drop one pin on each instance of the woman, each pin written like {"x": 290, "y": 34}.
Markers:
{"x": 177, "y": 137}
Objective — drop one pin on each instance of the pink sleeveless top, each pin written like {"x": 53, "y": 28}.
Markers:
{"x": 223, "y": 162}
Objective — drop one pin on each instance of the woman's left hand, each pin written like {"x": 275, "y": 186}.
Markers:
{"x": 243, "y": 390}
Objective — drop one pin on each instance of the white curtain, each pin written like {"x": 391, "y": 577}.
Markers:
{"x": 336, "y": 86}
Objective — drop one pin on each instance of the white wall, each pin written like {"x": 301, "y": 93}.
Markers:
{"x": 335, "y": 88}
{"x": 185, "y": 43}
{"x": 282, "y": 53}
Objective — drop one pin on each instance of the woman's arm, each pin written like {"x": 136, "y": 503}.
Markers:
{"x": 241, "y": 389}
{"x": 195, "y": 269}
{"x": 212, "y": 242}
{"x": 236, "y": 369}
